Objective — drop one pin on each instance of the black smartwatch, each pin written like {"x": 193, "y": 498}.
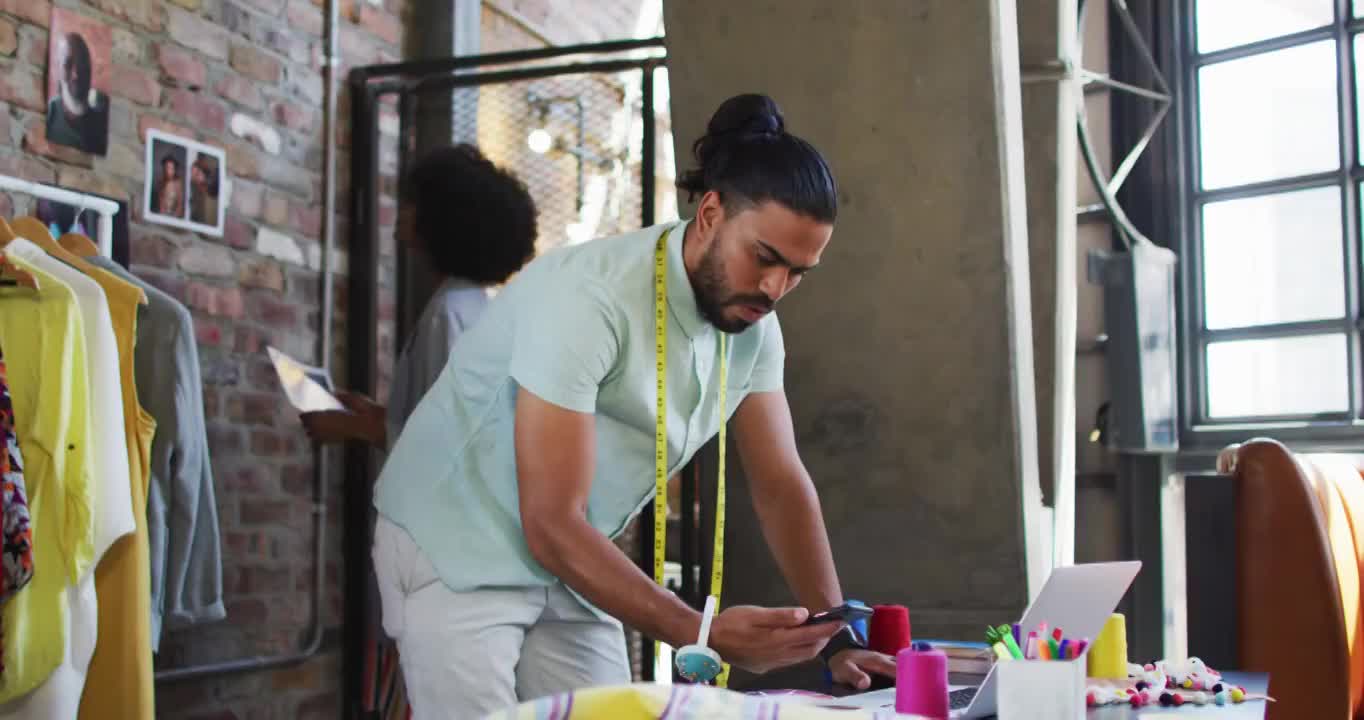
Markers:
{"x": 845, "y": 639}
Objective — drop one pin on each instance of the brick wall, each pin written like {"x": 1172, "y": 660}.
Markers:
{"x": 190, "y": 67}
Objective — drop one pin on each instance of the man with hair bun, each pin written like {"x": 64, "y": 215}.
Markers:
{"x": 535, "y": 446}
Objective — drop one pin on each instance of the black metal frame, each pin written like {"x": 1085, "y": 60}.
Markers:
{"x": 368, "y": 86}
{"x": 1182, "y": 178}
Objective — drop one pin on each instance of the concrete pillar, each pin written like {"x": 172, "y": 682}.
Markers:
{"x": 909, "y": 351}
{"x": 1047, "y": 38}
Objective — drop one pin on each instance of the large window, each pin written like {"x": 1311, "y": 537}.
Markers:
{"x": 1272, "y": 212}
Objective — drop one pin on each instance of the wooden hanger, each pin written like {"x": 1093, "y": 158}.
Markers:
{"x": 17, "y": 275}
{"x": 6, "y": 234}
{"x": 33, "y": 230}
{"x": 78, "y": 245}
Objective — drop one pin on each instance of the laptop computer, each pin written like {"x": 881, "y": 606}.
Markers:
{"x": 1076, "y": 598}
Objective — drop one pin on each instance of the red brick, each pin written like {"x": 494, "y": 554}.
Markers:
{"x": 247, "y": 545}
{"x": 248, "y": 480}
{"x": 24, "y": 89}
{"x": 382, "y": 24}
{"x": 293, "y": 116}
{"x": 241, "y": 91}
{"x": 253, "y": 409}
{"x": 236, "y": 232}
{"x": 265, "y": 512}
{"x": 249, "y": 341}
{"x": 154, "y": 250}
{"x": 216, "y": 301}
{"x": 247, "y": 612}
{"x": 260, "y": 373}
{"x": 297, "y": 480}
{"x": 33, "y": 45}
{"x": 266, "y": 580}
{"x": 198, "y": 34}
{"x": 6, "y": 205}
{"x": 207, "y": 333}
{"x": 25, "y": 166}
{"x": 35, "y": 141}
{"x": 269, "y": 443}
{"x": 276, "y": 209}
{"x": 243, "y": 160}
{"x": 224, "y": 440}
{"x": 167, "y": 282}
{"x": 135, "y": 84}
{"x": 265, "y": 274}
{"x": 247, "y": 198}
{"x": 211, "y": 402}
{"x": 255, "y": 63}
{"x": 151, "y": 122}
{"x": 357, "y": 46}
{"x": 205, "y": 114}
{"x": 202, "y": 258}
{"x": 9, "y": 37}
{"x": 274, "y": 313}
{"x": 124, "y": 161}
{"x": 303, "y": 16}
{"x": 307, "y": 219}
{"x": 37, "y": 12}
{"x": 92, "y": 182}
{"x": 143, "y": 13}
{"x": 181, "y": 66}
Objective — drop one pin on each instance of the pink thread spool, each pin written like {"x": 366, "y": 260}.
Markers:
{"x": 921, "y": 683}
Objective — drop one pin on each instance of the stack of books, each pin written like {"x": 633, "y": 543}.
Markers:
{"x": 965, "y": 658}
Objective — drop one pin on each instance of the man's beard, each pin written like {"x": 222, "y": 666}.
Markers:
{"x": 75, "y": 106}
{"x": 713, "y": 296}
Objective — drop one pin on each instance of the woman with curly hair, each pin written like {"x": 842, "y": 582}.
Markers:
{"x": 473, "y": 224}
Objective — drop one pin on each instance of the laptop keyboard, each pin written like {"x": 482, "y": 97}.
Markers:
{"x": 959, "y": 699}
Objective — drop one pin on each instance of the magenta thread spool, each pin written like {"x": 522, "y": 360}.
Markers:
{"x": 921, "y": 683}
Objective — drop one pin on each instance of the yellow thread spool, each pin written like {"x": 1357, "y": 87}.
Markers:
{"x": 1108, "y": 654}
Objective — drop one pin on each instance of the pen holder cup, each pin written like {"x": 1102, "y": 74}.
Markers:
{"x": 1041, "y": 689}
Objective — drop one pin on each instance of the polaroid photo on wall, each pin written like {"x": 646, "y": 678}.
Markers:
{"x": 186, "y": 184}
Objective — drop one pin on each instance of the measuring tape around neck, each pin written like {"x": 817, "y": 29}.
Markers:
{"x": 717, "y": 567}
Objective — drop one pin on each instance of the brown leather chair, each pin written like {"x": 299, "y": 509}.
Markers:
{"x": 1298, "y": 575}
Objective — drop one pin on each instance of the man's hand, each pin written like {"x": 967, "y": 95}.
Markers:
{"x": 363, "y": 419}
{"x": 761, "y": 639}
{"x": 851, "y": 667}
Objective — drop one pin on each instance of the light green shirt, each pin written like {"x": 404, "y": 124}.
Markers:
{"x": 576, "y": 328}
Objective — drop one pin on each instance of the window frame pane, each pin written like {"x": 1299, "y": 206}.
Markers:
{"x": 1201, "y": 433}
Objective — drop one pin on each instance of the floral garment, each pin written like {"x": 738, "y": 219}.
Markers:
{"x": 16, "y": 538}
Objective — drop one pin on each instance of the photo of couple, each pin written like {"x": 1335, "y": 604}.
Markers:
{"x": 184, "y": 183}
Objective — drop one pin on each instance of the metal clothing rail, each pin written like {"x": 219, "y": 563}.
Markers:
{"x": 105, "y": 207}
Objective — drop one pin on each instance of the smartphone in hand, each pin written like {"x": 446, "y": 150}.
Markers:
{"x": 848, "y": 612}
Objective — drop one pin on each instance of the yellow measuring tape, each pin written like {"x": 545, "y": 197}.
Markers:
{"x": 717, "y": 567}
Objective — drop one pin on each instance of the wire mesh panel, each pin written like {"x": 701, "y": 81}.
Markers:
{"x": 576, "y": 141}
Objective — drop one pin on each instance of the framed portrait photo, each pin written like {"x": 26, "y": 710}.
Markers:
{"x": 78, "y": 61}
{"x": 186, "y": 184}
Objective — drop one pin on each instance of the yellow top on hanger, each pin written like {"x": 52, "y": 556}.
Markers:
{"x": 44, "y": 351}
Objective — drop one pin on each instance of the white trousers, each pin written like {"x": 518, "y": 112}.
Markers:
{"x": 465, "y": 655}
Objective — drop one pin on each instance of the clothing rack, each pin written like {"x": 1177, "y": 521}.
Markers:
{"x": 105, "y": 207}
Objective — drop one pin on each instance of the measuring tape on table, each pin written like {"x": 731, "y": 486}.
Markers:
{"x": 717, "y": 567}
